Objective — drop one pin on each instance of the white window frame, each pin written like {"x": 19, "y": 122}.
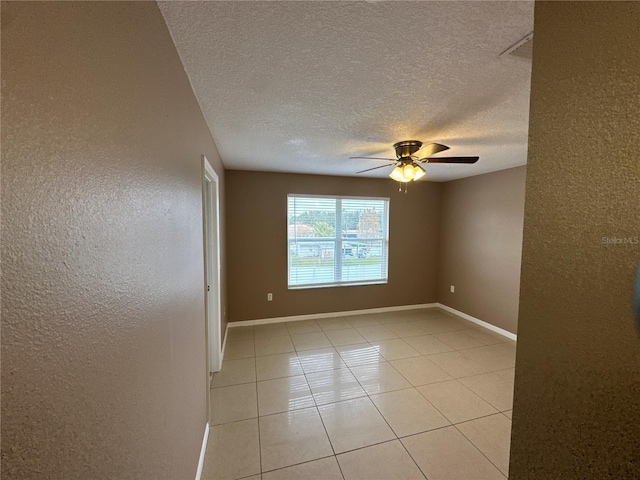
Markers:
{"x": 338, "y": 243}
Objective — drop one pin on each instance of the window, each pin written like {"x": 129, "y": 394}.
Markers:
{"x": 336, "y": 241}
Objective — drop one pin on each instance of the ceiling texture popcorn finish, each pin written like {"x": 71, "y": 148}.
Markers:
{"x": 301, "y": 86}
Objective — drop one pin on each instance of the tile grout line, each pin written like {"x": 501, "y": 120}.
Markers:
{"x": 367, "y": 394}
{"x": 399, "y": 439}
{"x": 255, "y": 366}
{"x": 384, "y": 418}
{"x": 444, "y": 416}
{"x": 477, "y": 448}
{"x": 297, "y": 464}
{"x": 414, "y": 460}
{"x": 455, "y": 425}
{"x": 326, "y": 432}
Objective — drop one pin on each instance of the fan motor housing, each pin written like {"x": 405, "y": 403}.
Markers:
{"x": 406, "y": 148}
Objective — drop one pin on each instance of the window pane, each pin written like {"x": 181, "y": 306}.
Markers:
{"x": 363, "y": 218}
{"x": 312, "y": 235}
{"x": 312, "y": 217}
{"x": 336, "y": 241}
{"x": 316, "y": 268}
{"x": 363, "y": 261}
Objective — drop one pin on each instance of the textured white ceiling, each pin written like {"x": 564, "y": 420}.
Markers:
{"x": 301, "y": 86}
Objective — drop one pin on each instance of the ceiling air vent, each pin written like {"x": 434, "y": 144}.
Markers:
{"x": 523, "y": 48}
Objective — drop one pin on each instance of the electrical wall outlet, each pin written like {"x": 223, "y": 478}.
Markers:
{"x": 269, "y": 297}
{"x": 452, "y": 289}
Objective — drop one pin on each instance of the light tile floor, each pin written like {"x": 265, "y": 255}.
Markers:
{"x": 413, "y": 394}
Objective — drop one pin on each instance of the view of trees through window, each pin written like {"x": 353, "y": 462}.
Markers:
{"x": 337, "y": 240}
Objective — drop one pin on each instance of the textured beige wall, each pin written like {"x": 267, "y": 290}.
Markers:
{"x": 257, "y": 238}
{"x": 577, "y": 389}
{"x": 103, "y": 353}
{"x": 481, "y": 246}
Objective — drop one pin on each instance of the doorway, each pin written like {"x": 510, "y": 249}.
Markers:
{"x": 211, "y": 226}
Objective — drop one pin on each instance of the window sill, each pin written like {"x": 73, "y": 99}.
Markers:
{"x": 334, "y": 285}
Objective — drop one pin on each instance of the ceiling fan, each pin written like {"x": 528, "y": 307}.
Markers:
{"x": 409, "y": 153}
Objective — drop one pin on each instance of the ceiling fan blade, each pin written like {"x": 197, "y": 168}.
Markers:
{"x": 375, "y": 168}
{"x": 374, "y": 158}
{"x": 430, "y": 149}
{"x": 450, "y": 160}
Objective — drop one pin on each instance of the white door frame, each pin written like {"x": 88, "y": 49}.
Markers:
{"x": 211, "y": 227}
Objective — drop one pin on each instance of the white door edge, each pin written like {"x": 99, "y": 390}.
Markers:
{"x": 212, "y": 239}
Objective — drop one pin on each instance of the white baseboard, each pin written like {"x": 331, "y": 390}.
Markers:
{"x": 315, "y": 316}
{"x": 224, "y": 344}
{"x": 203, "y": 450}
{"x": 488, "y": 326}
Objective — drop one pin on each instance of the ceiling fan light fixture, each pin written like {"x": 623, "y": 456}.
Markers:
{"x": 418, "y": 172}
{"x": 397, "y": 175}
{"x": 409, "y": 155}
{"x": 407, "y": 173}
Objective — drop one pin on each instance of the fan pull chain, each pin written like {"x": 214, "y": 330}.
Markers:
{"x": 405, "y": 187}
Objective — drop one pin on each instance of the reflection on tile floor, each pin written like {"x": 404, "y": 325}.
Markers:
{"x": 396, "y": 395}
